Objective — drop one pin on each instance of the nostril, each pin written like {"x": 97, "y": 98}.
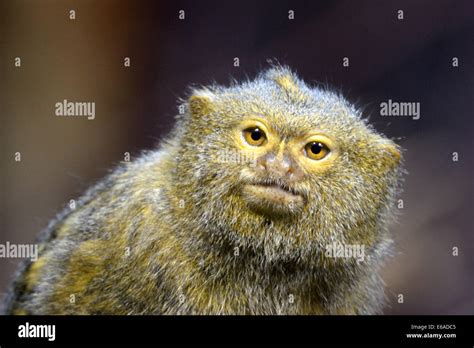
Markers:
{"x": 285, "y": 167}
{"x": 261, "y": 164}
{"x": 282, "y": 166}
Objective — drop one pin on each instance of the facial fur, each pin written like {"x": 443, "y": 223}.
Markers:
{"x": 341, "y": 198}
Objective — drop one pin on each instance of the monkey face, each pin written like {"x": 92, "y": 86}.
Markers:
{"x": 285, "y": 167}
{"x": 277, "y": 182}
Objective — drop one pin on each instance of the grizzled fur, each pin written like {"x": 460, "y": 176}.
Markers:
{"x": 170, "y": 233}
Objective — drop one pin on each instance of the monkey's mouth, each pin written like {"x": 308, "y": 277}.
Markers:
{"x": 272, "y": 196}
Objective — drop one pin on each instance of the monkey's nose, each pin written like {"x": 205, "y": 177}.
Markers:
{"x": 279, "y": 166}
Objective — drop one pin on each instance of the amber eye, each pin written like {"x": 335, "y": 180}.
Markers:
{"x": 254, "y": 136}
{"x": 316, "y": 150}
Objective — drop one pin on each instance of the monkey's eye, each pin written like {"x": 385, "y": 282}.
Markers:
{"x": 254, "y": 136}
{"x": 316, "y": 150}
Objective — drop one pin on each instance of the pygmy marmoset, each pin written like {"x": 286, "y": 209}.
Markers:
{"x": 235, "y": 213}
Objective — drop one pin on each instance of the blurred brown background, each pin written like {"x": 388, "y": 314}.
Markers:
{"x": 406, "y": 60}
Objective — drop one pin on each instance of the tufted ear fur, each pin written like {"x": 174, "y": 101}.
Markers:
{"x": 201, "y": 103}
{"x": 390, "y": 153}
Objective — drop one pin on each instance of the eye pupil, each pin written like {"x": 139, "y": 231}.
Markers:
{"x": 256, "y": 134}
{"x": 316, "y": 148}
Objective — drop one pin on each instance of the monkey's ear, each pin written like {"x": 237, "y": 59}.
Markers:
{"x": 391, "y": 153}
{"x": 201, "y": 103}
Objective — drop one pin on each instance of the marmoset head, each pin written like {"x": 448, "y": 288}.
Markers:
{"x": 279, "y": 166}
